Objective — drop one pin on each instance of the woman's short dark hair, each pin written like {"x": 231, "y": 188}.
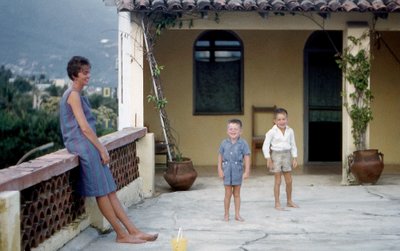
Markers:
{"x": 75, "y": 66}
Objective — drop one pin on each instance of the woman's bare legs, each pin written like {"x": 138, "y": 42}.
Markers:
{"x": 227, "y": 201}
{"x": 124, "y": 219}
{"x": 107, "y": 210}
{"x": 236, "y": 198}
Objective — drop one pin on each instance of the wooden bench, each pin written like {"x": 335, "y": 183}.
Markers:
{"x": 257, "y": 139}
{"x": 161, "y": 149}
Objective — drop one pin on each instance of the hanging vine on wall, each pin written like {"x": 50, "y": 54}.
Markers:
{"x": 152, "y": 25}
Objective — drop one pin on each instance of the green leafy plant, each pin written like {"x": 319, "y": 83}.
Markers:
{"x": 153, "y": 24}
{"x": 356, "y": 69}
{"x": 160, "y": 103}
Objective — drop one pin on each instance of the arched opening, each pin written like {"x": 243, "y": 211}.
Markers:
{"x": 322, "y": 98}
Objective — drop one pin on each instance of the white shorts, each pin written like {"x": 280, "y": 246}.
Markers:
{"x": 282, "y": 161}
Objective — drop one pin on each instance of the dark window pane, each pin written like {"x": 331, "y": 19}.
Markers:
{"x": 203, "y": 43}
{"x": 227, "y": 43}
{"x": 202, "y": 56}
{"x": 224, "y": 56}
{"x": 218, "y": 91}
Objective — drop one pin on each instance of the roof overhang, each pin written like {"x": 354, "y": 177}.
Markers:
{"x": 281, "y": 6}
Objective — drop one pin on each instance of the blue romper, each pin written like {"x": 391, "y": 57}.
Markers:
{"x": 95, "y": 178}
{"x": 232, "y": 160}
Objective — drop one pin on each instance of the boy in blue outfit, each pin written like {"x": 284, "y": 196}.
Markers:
{"x": 232, "y": 152}
{"x": 280, "y": 150}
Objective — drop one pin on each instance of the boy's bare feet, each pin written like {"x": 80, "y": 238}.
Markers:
{"x": 278, "y": 207}
{"x": 146, "y": 237}
{"x": 226, "y": 217}
{"x": 238, "y": 218}
{"x": 130, "y": 239}
{"x": 292, "y": 204}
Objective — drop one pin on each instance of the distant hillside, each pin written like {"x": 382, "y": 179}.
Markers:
{"x": 41, "y": 36}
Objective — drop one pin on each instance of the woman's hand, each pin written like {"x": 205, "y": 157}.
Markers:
{"x": 105, "y": 157}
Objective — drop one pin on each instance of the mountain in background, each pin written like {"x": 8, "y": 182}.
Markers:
{"x": 39, "y": 37}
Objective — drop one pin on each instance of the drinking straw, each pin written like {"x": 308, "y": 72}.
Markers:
{"x": 179, "y": 235}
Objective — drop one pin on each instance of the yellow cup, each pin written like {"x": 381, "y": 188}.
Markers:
{"x": 180, "y": 245}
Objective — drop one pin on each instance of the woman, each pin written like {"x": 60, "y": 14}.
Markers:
{"x": 79, "y": 136}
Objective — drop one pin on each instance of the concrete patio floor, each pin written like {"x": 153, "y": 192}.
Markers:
{"x": 330, "y": 217}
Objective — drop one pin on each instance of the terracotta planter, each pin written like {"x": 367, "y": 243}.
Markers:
{"x": 180, "y": 175}
{"x": 366, "y": 165}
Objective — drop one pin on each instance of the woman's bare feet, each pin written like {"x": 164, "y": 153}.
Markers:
{"x": 292, "y": 204}
{"x": 130, "y": 239}
{"x": 146, "y": 237}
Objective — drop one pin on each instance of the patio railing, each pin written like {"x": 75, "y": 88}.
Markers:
{"x": 45, "y": 187}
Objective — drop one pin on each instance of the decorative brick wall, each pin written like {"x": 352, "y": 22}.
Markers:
{"x": 47, "y": 185}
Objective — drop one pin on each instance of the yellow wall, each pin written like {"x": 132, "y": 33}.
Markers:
{"x": 273, "y": 75}
{"x": 385, "y": 85}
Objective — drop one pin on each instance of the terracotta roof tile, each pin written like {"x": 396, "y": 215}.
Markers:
{"x": 378, "y": 6}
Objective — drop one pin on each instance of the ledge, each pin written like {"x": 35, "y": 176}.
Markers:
{"x": 43, "y": 168}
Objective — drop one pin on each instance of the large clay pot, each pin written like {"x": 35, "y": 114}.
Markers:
{"x": 180, "y": 175}
{"x": 366, "y": 165}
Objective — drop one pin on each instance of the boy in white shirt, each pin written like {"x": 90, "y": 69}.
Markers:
{"x": 280, "y": 150}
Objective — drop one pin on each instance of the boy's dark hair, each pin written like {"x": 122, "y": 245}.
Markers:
{"x": 235, "y": 121}
{"x": 75, "y": 66}
{"x": 280, "y": 110}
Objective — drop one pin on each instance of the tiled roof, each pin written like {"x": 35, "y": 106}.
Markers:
{"x": 375, "y": 6}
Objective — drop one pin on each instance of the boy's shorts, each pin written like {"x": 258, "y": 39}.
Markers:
{"x": 282, "y": 161}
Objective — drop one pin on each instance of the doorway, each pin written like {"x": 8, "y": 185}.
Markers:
{"x": 322, "y": 96}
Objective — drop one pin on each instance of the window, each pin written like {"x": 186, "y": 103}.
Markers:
{"x": 218, "y": 76}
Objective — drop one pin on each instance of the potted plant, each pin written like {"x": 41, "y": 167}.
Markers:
{"x": 365, "y": 164}
{"x": 179, "y": 174}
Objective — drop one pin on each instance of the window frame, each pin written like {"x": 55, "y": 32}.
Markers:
{"x": 212, "y": 36}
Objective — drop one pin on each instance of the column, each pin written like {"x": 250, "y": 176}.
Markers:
{"x": 145, "y": 151}
{"x": 130, "y": 71}
{"x": 10, "y": 225}
{"x": 355, "y": 29}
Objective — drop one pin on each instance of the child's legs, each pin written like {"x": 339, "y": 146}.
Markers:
{"x": 277, "y": 186}
{"x": 288, "y": 182}
{"x": 236, "y": 198}
{"x": 227, "y": 199}
{"x": 289, "y": 187}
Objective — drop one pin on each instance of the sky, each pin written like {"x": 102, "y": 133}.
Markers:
{"x": 40, "y": 36}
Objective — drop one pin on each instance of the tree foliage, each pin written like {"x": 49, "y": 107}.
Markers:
{"x": 23, "y": 128}
{"x": 106, "y": 120}
{"x": 19, "y": 134}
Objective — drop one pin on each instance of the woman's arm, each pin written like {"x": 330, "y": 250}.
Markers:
{"x": 75, "y": 102}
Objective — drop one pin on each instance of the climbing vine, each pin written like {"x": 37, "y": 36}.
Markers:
{"x": 356, "y": 69}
